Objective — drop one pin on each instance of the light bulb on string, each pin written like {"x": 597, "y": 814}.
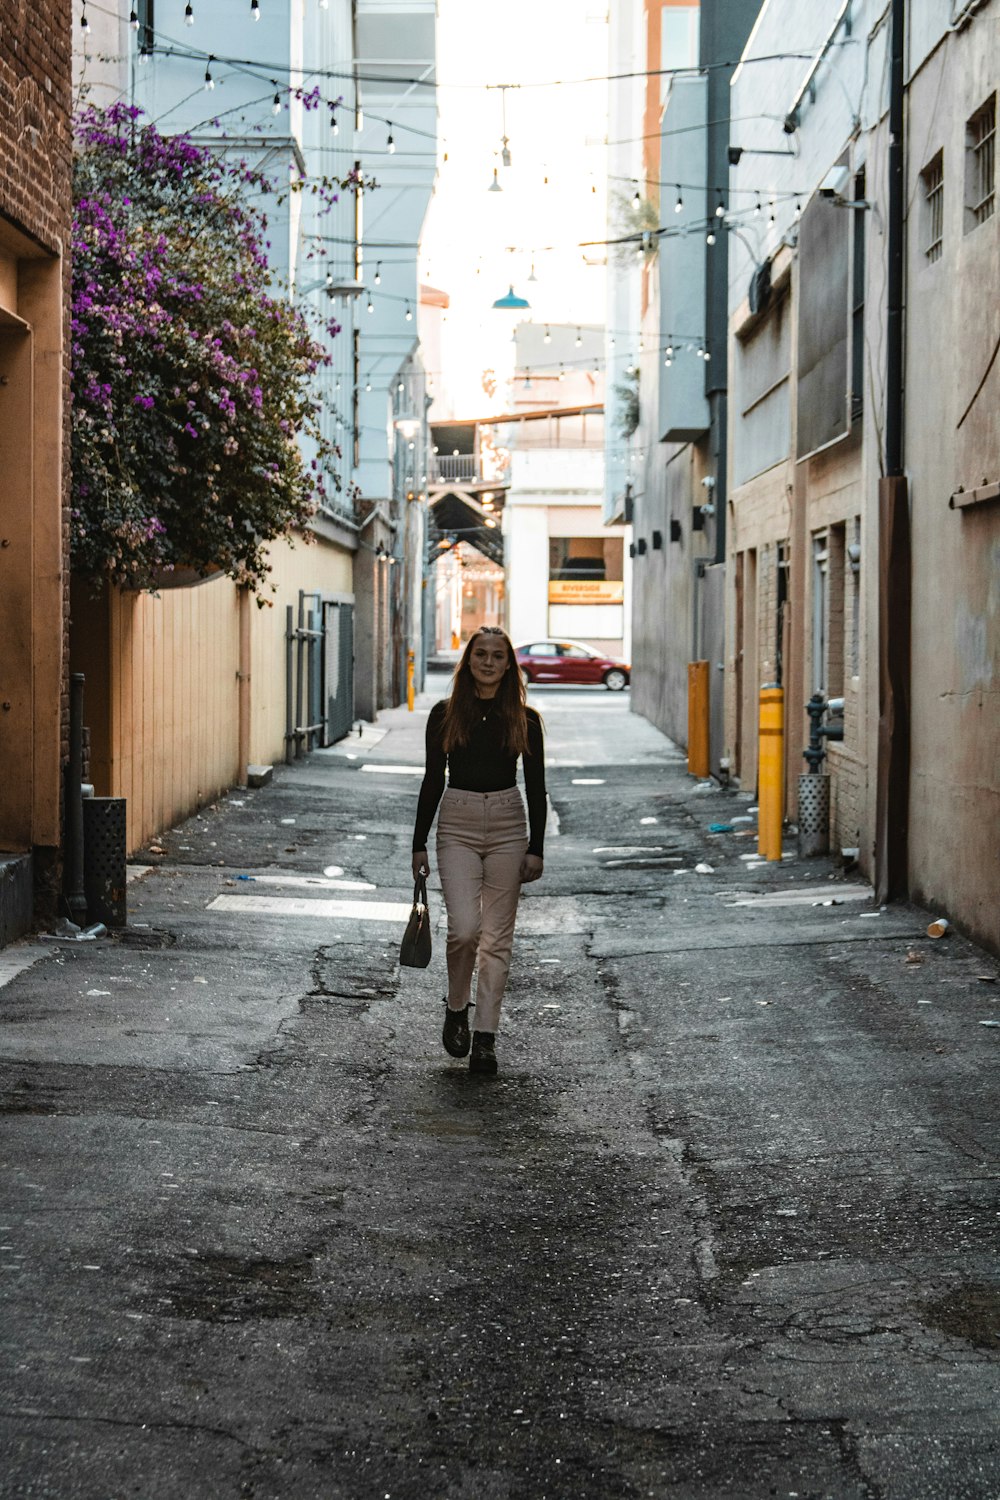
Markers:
{"x": 679, "y": 205}
{"x": 720, "y": 208}
{"x": 133, "y": 19}
{"x": 562, "y": 371}
{"x": 756, "y": 208}
{"x": 399, "y": 387}
{"x": 390, "y": 144}
{"x": 579, "y": 338}
{"x": 409, "y": 313}
{"x": 189, "y": 14}
{"x": 494, "y": 186}
{"x": 209, "y": 80}
{"x": 255, "y": 10}
{"x": 669, "y": 359}
{"x": 636, "y": 197}
{"x": 371, "y": 306}
{"x": 670, "y": 351}
{"x": 334, "y": 123}
{"x": 547, "y": 338}
{"x": 378, "y": 273}
{"x": 84, "y": 23}
{"x": 706, "y": 356}
{"x": 710, "y": 237}
{"x": 368, "y": 384}
{"x": 276, "y": 104}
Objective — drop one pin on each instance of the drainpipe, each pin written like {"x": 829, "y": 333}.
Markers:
{"x": 894, "y": 584}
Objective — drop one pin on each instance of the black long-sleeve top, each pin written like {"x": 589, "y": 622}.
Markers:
{"x": 483, "y": 765}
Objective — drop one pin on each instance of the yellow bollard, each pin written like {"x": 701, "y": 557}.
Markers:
{"x": 698, "y": 762}
{"x": 410, "y": 695}
{"x": 771, "y": 771}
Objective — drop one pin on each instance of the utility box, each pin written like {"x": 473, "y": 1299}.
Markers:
{"x": 104, "y": 874}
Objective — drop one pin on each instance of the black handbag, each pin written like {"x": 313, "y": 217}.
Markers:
{"x": 415, "y": 949}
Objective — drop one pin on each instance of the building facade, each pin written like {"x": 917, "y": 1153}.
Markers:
{"x": 830, "y": 591}
{"x": 35, "y": 246}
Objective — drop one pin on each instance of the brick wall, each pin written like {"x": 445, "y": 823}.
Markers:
{"x": 36, "y": 200}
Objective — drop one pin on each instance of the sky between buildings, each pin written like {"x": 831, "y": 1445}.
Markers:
{"x": 476, "y": 243}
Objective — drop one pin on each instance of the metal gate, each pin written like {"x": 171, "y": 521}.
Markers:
{"x": 338, "y": 668}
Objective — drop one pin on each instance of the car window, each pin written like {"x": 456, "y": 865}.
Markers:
{"x": 540, "y": 648}
{"x": 577, "y": 652}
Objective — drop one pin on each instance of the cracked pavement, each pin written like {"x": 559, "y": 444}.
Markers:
{"x": 725, "y": 1225}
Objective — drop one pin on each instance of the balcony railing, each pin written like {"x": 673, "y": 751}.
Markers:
{"x": 458, "y": 468}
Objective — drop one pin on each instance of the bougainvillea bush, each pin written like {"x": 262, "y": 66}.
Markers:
{"x": 192, "y": 373}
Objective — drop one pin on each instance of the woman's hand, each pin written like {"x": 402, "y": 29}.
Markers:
{"x": 532, "y": 866}
{"x": 421, "y": 864}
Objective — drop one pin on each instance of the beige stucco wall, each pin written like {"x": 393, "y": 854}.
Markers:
{"x": 953, "y": 325}
{"x": 297, "y": 564}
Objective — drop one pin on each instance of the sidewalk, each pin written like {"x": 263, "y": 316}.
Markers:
{"x": 724, "y": 1226}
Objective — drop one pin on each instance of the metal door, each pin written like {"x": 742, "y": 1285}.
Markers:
{"x": 338, "y": 668}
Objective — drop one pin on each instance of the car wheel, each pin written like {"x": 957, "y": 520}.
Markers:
{"x": 615, "y": 680}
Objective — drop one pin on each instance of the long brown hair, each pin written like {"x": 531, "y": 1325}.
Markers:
{"x": 463, "y": 706}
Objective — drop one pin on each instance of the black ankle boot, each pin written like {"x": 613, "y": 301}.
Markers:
{"x": 455, "y": 1035}
{"x": 484, "y": 1057}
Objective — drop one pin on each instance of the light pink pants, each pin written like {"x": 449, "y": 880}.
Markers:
{"x": 482, "y": 838}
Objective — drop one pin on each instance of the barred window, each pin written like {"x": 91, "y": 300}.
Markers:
{"x": 980, "y": 136}
{"x": 932, "y": 178}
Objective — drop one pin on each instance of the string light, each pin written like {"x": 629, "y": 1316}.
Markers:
{"x": 547, "y": 339}
{"x": 334, "y": 123}
{"x": 378, "y": 273}
{"x": 579, "y": 338}
{"x": 390, "y": 144}
{"x": 209, "y": 80}
{"x": 710, "y": 237}
{"x": 133, "y": 19}
{"x": 562, "y": 371}
{"x": 276, "y": 104}
{"x": 756, "y": 207}
{"x": 189, "y": 14}
{"x": 371, "y": 306}
{"x": 668, "y": 361}
{"x": 679, "y": 205}
{"x": 636, "y": 197}
{"x": 255, "y": 10}
{"x": 720, "y": 207}
{"x": 84, "y": 23}
{"x": 409, "y": 313}
{"x": 368, "y": 384}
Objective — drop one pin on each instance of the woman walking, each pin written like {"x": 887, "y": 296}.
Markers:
{"x": 485, "y": 851}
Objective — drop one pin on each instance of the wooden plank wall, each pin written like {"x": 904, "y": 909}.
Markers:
{"x": 162, "y": 695}
{"x": 173, "y": 702}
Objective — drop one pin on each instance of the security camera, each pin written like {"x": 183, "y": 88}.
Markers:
{"x": 835, "y": 182}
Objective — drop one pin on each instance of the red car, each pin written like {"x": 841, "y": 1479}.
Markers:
{"x": 570, "y": 661}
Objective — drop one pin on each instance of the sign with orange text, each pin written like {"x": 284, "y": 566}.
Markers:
{"x": 586, "y": 591}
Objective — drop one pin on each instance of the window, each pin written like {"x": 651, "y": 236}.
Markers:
{"x": 980, "y": 159}
{"x": 858, "y": 302}
{"x": 854, "y": 561}
{"x": 585, "y": 570}
{"x": 146, "y": 19}
{"x": 541, "y": 648}
{"x": 837, "y": 624}
{"x": 932, "y": 179}
{"x": 820, "y": 613}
